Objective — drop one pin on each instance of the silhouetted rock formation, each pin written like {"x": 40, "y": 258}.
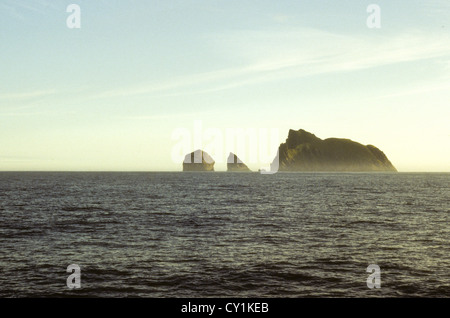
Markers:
{"x": 198, "y": 160}
{"x": 303, "y": 151}
{"x": 234, "y": 164}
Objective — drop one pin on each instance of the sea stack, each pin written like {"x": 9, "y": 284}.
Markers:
{"x": 303, "y": 151}
{"x": 198, "y": 160}
{"x": 234, "y": 164}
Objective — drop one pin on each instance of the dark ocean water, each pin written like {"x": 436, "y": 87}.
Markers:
{"x": 224, "y": 234}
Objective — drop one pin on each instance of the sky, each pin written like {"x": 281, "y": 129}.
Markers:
{"x": 141, "y": 83}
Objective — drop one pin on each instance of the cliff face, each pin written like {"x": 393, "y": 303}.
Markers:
{"x": 198, "y": 161}
{"x": 303, "y": 151}
{"x": 234, "y": 164}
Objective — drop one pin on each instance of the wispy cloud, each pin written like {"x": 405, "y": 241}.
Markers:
{"x": 436, "y": 7}
{"x": 169, "y": 116}
{"x": 37, "y": 5}
{"x": 16, "y": 159}
{"x": 274, "y": 56}
{"x": 27, "y": 95}
{"x": 419, "y": 90}
{"x": 318, "y": 51}
{"x": 20, "y": 9}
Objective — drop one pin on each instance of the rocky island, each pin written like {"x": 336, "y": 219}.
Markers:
{"x": 303, "y": 151}
{"x": 198, "y": 160}
{"x": 234, "y": 164}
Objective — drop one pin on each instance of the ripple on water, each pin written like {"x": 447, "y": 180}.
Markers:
{"x": 232, "y": 235}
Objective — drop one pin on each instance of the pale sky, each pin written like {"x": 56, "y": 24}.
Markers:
{"x": 112, "y": 94}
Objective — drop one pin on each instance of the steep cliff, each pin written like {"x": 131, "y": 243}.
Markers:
{"x": 303, "y": 151}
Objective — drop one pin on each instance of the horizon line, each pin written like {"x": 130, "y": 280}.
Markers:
{"x": 256, "y": 171}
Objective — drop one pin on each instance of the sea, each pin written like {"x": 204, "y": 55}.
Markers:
{"x": 175, "y": 234}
